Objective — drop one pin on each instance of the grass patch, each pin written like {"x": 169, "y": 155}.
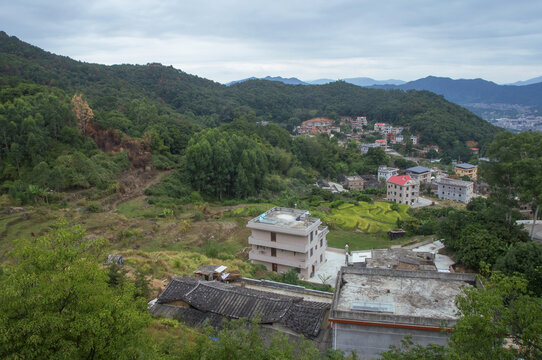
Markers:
{"x": 139, "y": 208}
{"x": 338, "y": 238}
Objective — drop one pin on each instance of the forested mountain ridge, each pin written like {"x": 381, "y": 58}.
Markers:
{"x": 108, "y": 87}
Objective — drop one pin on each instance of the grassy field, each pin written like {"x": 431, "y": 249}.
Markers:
{"x": 369, "y": 218}
{"x": 338, "y": 238}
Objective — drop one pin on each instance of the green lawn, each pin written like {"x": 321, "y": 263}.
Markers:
{"x": 338, "y": 238}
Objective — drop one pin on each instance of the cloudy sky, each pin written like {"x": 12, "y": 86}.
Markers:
{"x": 226, "y": 40}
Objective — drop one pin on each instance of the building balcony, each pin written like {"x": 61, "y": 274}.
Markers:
{"x": 300, "y": 248}
{"x": 261, "y": 256}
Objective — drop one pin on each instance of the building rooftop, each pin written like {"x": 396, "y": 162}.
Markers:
{"x": 418, "y": 169}
{"x": 285, "y": 218}
{"x": 405, "y": 294}
{"x": 454, "y": 182}
{"x": 465, "y": 166}
{"x": 401, "y": 180}
{"x": 216, "y": 299}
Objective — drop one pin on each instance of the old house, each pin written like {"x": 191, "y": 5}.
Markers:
{"x": 279, "y": 307}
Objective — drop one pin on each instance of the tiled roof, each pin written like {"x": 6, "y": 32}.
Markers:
{"x": 399, "y": 179}
{"x": 465, "y": 166}
{"x": 231, "y": 301}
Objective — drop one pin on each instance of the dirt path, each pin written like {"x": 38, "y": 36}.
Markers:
{"x": 135, "y": 182}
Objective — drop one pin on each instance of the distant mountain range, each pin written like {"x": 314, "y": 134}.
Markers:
{"x": 359, "y": 81}
{"x": 528, "y": 82}
{"x": 485, "y": 98}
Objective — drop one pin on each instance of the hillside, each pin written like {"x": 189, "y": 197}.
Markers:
{"x": 133, "y": 98}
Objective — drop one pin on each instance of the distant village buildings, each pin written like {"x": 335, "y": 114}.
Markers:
{"x": 467, "y": 170}
{"x": 384, "y": 172}
{"x": 317, "y": 126}
{"x": 353, "y": 182}
{"x": 420, "y": 173}
{"x": 284, "y": 239}
{"x": 403, "y": 189}
{"x": 456, "y": 190}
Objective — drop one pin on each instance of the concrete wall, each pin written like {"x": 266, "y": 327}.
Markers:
{"x": 287, "y": 241}
{"x": 369, "y": 341}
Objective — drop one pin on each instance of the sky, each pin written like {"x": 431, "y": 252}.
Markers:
{"x": 225, "y": 40}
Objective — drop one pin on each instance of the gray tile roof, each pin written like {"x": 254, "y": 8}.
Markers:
{"x": 231, "y": 301}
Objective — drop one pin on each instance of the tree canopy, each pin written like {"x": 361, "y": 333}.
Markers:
{"x": 56, "y": 302}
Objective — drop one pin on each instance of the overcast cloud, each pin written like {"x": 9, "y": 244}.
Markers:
{"x": 226, "y": 40}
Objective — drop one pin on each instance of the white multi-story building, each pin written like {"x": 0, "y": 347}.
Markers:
{"x": 284, "y": 238}
{"x": 403, "y": 189}
{"x": 456, "y": 190}
{"x": 384, "y": 172}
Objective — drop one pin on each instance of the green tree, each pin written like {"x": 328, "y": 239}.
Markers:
{"x": 56, "y": 302}
{"x": 526, "y": 259}
{"x": 516, "y": 168}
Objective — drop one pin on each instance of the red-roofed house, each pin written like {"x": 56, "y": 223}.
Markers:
{"x": 402, "y": 189}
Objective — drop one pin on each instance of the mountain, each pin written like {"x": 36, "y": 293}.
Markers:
{"x": 528, "y": 82}
{"x": 359, "y": 81}
{"x": 365, "y": 81}
{"x": 168, "y": 104}
{"x": 483, "y": 97}
{"x": 321, "y": 81}
{"x": 238, "y": 81}
{"x": 288, "y": 81}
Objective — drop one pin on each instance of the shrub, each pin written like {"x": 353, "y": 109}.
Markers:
{"x": 94, "y": 207}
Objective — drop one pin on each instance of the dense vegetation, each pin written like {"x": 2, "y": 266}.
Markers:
{"x": 52, "y": 140}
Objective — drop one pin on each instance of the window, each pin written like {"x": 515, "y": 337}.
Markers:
{"x": 311, "y": 251}
{"x": 321, "y": 241}
{"x": 273, "y": 252}
{"x": 273, "y": 236}
{"x": 312, "y": 233}
{"x": 321, "y": 257}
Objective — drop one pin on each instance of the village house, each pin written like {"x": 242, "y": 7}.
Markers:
{"x": 289, "y": 309}
{"x": 354, "y": 182}
{"x": 398, "y": 139}
{"x": 383, "y": 128}
{"x": 284, "y": 239}
{"x": 420, "y": 173}
{"x": 384, "y": 172}
{"x": 374, "y": 308}
{"x": 402, "y": 189}
{"x": 317, "y": 126}
{"x": 466, "y": 170}
{"x": 383, "y": 143}
{"x": 414, "y": 139}
{"x": 456, "y": 190}
{"x": 362, "y": 120}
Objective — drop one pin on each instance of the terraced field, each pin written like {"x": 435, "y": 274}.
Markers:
{"x": 367, "y": 217}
